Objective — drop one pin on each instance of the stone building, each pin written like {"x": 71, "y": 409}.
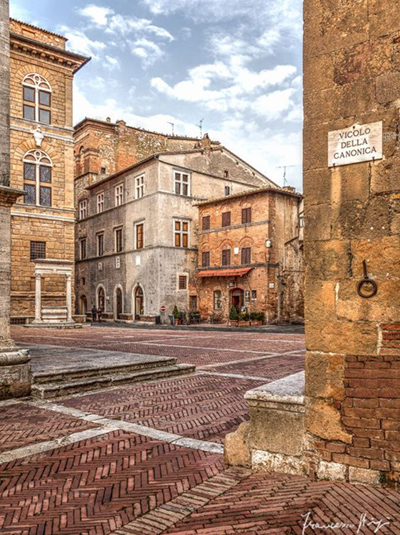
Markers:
{"x": 15, "y": 373}
{"x": 41, "y": 71}
{"x": 344, "y": 422}
{"x": 250, "y": 256}
{"x": 103, "y": 148}
{"x": 136, "y": 243}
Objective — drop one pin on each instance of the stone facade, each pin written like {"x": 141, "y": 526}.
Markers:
{"x": 352, "y": 215}
{"x": 41, "y": 137}
{"x": 15, "y": 372}
{"x": 137, "y": 281}
{"x": 253, "y": 265}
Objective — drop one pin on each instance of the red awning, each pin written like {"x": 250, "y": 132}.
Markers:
{"x": 223, "y": 273}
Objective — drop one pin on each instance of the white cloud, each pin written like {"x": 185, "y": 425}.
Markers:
{"x": 79, "y": 42}
{"x": 148, "y": 51}
{"x": 112, "y": 63}
{"x": 272, "y": 105}
{"x": 96, "y": 14}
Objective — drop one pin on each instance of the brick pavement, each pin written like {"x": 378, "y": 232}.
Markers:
{"x": 124, "y": 483}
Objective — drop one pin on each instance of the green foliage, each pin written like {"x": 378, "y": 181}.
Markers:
{"x": 233, "y": 314}
{"x": 176, "y": 313}
{"x": 245, "y": 316}
{"x": 259, "y": 316}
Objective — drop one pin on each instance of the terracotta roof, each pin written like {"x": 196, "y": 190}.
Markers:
{"x": 240, "y": 272}
{"x": 279, "y": 190}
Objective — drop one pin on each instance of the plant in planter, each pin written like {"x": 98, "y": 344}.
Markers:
{"x": 233, "y": 316}
{"x": 244, "y": 319}
{"x": 177, "y": 315}
{"x": 257, "y": 318}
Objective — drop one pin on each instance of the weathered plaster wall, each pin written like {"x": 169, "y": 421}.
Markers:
{"x": 351, "y": 75}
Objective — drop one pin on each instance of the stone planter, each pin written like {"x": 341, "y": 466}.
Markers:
{"x": 244, "y": 323}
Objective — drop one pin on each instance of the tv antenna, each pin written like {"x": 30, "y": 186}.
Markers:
{"x": 200, "y": 125}
{"x": 173, "y": 127}
{"x": 284, "y": 167}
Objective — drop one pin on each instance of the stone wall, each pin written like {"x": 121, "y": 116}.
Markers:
{"x": 351, "y": 75}
{"x": 4, "y": 95}
{"x": 53, "y": 224}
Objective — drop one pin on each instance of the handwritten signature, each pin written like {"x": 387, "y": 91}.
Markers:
{"x": 364, "y": 522}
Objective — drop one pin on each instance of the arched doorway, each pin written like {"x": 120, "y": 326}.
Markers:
{"x": 101, "y": 298}
{"x": 83, "y": 305}
{"x": 237, "y": 298}
{"x": 139, "y": 302}
{"x": 118, "y": 303}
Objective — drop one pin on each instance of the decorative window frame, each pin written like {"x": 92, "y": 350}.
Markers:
{"x": 139, "y": 186}
{"x": 135, "y": 245}
{"x": 181, "y": 232}
{"x": 116, "y": 229}
{"x": 38, "y": 83}
{"x": 180, "y": 183}
{"x": 39, "y": 159}
{"x": 83, "y": 209}
{"x": 100, "y": 202}
{"x": 119, "y": 194}
{"x": 178, "y": 276}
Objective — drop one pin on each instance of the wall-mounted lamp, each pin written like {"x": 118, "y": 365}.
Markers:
{"x": 268, "y": 244}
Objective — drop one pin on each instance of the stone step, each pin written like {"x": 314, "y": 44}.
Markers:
{"x": 138, "y": 364}
{"x": 57, "y": 389}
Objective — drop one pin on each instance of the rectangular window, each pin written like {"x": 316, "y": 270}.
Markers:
{"x": 181, "y": 233}
{"x": 29, "y": 171}
{"x": 100, "y": 202}
{"x": 246, "y": 255}
{"x": 140, "y": 236}
{"x": 83, "y": 206}
{"x": 217, "y": 300}
{"x": 206, "y": 222}
{"x": 29, "y": 112}
{"x": 254, "y": 294}
{"x": 44, "y": 116}
{"x": 181, "y": 183}
{"x": 45, "y": 196}
{"x": 226, "y": 219}
{"x": 119, "y": 194}
{"x": 119, "y": 245}
{"x": 247, "y": 296}
{"x": 139, "y": 187}
{"x": 38, "y": 250}
{"x": 182, "y": 282}
{"x": 100, "y": 244}
{"x": 30, "y": 197}
{"x": 226, "y": 257}
{"x": 205, "y": 259}
{"x": 45, "y": 174}
{"x": 29, "y": 94}
{"x": 227, "y": 190}
{"x": 82, "y": 249}
{"x": 44, "y": 98}
{"x": 246, "y": 215}
{"x": 193, "y": 303}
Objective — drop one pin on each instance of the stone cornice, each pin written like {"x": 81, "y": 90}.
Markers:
{"x": 58, "y": 56}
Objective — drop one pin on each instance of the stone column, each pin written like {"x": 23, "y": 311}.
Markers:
{"x": 69, "y": 298}
{"x": 15, "y": 377}
{"x": 38, "y": 297}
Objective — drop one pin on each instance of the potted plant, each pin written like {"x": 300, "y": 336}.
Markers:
{"x": 234, "y": 316}
{"x": 177, "y": 315}
{"x": 244, "y": 319}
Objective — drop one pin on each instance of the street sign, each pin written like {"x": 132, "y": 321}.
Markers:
{"x": 359, "y": 143}
{"x": 162, "y": 309}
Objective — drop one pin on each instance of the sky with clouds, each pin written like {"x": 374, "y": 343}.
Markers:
{"x": 234, "y": 64}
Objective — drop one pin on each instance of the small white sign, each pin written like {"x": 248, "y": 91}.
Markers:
{"x": 359, "y": 143}
{"x": 138, "y": 261}
{"x": 272, "y": 285}
{"x": 117, "y": 262}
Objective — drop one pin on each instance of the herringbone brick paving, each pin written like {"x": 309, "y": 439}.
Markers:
{"x": 101, "y": 485}
{"x": 273, "y": 503}
{"x": 198, "y": 406}
{"x": 95, "y": 486}
{"x": 22, "y": 425}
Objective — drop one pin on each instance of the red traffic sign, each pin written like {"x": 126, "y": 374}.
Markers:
{"x": 162, "y": 309}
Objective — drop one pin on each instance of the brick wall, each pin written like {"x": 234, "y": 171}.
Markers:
{"x": 352, "y": 213}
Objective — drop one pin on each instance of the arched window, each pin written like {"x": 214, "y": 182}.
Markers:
{"x": 101, "y": 298}
{"x": 37, "y": 98}
{"x": 37, "y": 177}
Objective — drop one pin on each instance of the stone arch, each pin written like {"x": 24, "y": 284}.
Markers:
{"x": 138, "y": 296}
{"x": 101, "y": 299}
{"x": 118, "y": 301}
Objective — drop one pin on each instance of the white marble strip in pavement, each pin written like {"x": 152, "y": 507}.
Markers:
{"x": 150, "y": 432}
{"x": 252, "y": 359}
{"x": 41, "y": 447}
{"x": 7, "y": 402}
{"x": 237, "y": 376}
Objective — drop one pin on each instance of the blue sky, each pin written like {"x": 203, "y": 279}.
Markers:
{"x": 234, "y": 63}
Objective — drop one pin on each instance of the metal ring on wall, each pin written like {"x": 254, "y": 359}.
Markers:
{"x": 363, "y": 283}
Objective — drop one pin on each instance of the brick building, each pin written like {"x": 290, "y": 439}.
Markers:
{"x": 41, "y": 72}
{"x": 250, "y": 256}
{"x": 136, "y": 242}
